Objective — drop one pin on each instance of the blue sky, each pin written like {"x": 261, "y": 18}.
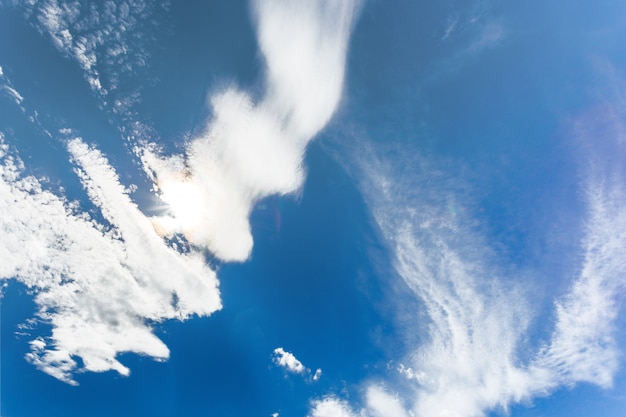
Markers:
{"x": 318, "y": 208}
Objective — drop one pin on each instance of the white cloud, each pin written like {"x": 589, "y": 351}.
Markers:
{"x": 14, "y": 94}
{"x": 583, "y": 347}
{"x": 288, "y": 361}
{"x": 96, "y": 286}
{"x": 382, "y": 404}
{"x": 331, "y": 407}
{"x": 473, "y": 355}
{"x": 58, "y": 21}
{"x": 468, "y": 363}
{"x": 103, "y": 38}
{"x": 254, "y": 149}
{"x": 7, "y": 87}
{"x": 33, "y": 116}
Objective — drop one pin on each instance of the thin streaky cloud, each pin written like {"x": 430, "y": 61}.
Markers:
{"x": 7, "y": 87}
{"x": 583, "y": 346}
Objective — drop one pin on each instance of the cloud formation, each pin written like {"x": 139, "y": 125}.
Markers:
{"x": 106, "y": 39}
{"x": 331, "y": 407}
{"x": 290, "y": 363}
{"x": 97, "y": 285}
{"x": 6, "y": 87}
{"x": 254, "y": 148}
{"x": 473, "y": 355}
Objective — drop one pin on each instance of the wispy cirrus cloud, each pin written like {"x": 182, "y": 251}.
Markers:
{"x": 474, "y": 356}
{"x": 583, "y": 347}
{"x": 6, "y": 86}
{"x": 254, "y": 148}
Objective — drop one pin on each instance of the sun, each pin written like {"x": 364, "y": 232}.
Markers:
{"x": 184, "y": 199}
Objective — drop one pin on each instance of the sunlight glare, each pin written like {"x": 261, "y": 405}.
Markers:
{"x": 185, "y": 201}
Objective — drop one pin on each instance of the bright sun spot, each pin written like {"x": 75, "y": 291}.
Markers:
{"x": 184, "y": 199}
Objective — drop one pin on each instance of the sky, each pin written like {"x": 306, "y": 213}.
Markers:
{"x": 315, "y": 208}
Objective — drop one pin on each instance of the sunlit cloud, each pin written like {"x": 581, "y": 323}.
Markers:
{"x": 331, "y": 407}
{"x": 583, "y": 347}
{"x": 254, "y": 148}
{"x": 96, "y": 285}
{"x": 288, "y": 361}
{"x": 291, "y": 364}
{"x": 100, "y": 284}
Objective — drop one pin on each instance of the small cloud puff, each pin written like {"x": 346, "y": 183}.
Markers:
{"x": 290, "y": 363}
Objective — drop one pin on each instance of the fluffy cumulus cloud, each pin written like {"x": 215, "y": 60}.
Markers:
{"x": 473, "y": 355}
{"x": 254, "y": 148}
{"x": 379, "y": 403}
{"x": 331, "y": 407}
{"x": 98, "y": 285}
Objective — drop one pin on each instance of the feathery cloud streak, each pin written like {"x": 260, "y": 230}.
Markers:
{"x": 472, "y": 356}
{"x": 254, "y": 149}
